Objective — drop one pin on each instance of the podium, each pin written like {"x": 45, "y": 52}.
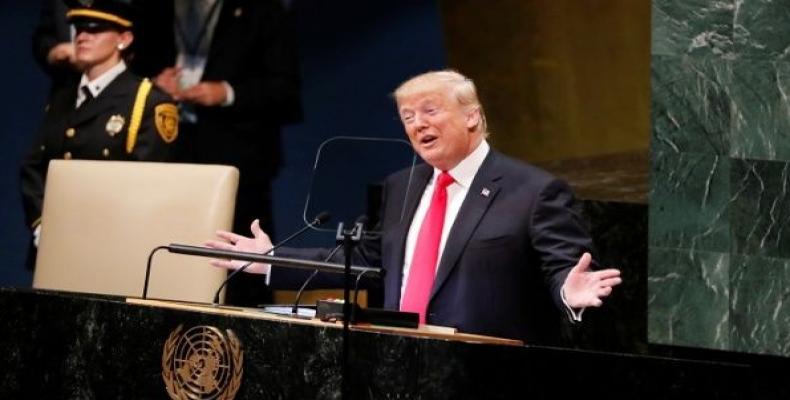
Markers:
{"x": 65, "y": 345}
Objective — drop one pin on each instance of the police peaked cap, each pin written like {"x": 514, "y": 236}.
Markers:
{"x": 115, "y": 13}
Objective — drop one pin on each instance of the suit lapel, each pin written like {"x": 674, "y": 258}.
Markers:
{"x": 481, "y": 193}
{"x": 226, "y": 15}
{"x": 119, "y": 88}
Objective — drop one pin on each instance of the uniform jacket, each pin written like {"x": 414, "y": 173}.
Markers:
{"x": 98, "y": 130}
{"x": 516, "y": 237}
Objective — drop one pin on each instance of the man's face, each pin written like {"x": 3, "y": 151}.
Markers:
{"x": 439, "y": 129}
{"x": 96, "y": 47}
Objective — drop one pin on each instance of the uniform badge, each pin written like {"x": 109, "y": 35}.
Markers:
{"x": 114, "y": 125}
{"x": 166, "y": 118}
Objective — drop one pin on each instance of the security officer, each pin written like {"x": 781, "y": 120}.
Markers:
{"x": 109, "y": 113}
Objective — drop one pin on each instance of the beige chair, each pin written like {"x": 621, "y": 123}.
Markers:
{"x": 102, "y": 218}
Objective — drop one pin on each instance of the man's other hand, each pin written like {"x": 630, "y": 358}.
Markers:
{"x": 585, "y": 288}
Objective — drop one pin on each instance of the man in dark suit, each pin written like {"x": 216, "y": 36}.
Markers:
{"x": 107, "y": 113}
{"x": 237, "y": 79}
{"x": 483, "y": 243}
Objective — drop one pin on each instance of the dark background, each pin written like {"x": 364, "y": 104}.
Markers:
{"x": 353, "y": 53}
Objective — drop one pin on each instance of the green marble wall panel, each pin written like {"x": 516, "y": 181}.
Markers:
{"x": 720, "y": 185}
{"x": 688, "y": 298}
{"x": 760, "y": 312}
{"x": 760, "y": 211}
{"x": 761, "y": 29}
{"x": 760, "y": 109}
{"x": 697, "y": 27}
{"x": 690, "y": 104}
{"x": 689, "y": 201}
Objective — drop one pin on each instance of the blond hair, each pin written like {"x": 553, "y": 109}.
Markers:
{"x": 456, "y": 85}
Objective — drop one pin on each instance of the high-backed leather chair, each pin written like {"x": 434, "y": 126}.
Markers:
{"x": 101, "y": 219}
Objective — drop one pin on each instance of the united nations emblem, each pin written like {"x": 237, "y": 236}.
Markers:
{"x": 202, "y": 364}
{"x": 114, "y": 125}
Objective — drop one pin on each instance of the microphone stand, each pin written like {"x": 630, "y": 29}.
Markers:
{"x": 295, "y": 308}
{"x": 245, "y": 256}
{"x": 349, "y": 238}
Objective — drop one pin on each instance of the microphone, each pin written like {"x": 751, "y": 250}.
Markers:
{"x": 358, "y": 230}
{"x": 319, "y": 219}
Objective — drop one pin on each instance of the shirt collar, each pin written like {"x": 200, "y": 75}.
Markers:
{"x": 97, "y": 85}
{"x": 464, "y": 173}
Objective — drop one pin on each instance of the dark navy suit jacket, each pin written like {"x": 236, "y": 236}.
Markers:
{"x": 516, "y": 237}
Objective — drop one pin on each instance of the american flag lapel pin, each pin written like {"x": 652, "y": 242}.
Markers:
{"x": 485, "y": 192}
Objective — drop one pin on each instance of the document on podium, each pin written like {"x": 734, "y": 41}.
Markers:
{"x": 303, "y": 312}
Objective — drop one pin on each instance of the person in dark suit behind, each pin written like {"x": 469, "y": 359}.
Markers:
{"x": 484, "y": 243}
{"x": 237, "y": 78}
{"x": 53, "y": 48}
{"x": 107, "y": 113}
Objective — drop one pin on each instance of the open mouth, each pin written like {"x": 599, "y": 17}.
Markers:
{"x": 428, "y": 140}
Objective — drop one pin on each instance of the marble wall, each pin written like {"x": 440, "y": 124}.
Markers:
{"x": 719, "y": 240}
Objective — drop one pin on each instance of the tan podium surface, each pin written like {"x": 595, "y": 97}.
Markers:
{"x": 424, "y": 331}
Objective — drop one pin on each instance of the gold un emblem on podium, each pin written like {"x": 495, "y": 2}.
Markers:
{"x": 202, "y": 363}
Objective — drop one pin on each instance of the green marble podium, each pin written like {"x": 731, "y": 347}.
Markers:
{"x": 70, "y": 346}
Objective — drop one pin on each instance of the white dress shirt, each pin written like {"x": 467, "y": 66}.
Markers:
{"x": 97, "y": 85}
{"x": 463, "y": 174}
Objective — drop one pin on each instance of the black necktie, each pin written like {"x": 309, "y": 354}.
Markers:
{"x": 88, "y": 95}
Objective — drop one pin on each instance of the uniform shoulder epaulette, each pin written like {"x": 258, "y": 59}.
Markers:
{"x": 137, "y": 114}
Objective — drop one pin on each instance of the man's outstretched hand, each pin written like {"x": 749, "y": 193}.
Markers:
{"x": 585, "y": 288}
{"x": 258, "y": 243}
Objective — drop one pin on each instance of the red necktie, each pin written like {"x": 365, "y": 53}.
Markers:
{"x": 426, "y": 253}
